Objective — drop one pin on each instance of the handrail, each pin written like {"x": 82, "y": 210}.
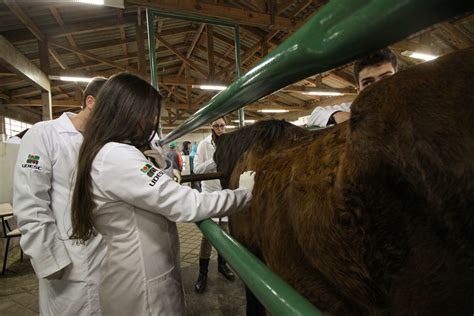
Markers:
{"x": 341, "y": 32}
{"x": 278, "y": 297}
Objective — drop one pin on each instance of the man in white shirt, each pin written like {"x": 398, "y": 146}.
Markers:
{"x": 68, "y": 272}
{"x": 204, "y": 163}
{"x": 370, "y": 69}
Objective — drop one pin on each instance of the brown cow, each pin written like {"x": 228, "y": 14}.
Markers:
{"x": 374, "y": 216}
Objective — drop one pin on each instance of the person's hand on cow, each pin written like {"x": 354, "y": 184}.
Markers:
{"x": 247, "y": 180}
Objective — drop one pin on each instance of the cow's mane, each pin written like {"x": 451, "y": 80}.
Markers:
{"x": 260, "y": 136}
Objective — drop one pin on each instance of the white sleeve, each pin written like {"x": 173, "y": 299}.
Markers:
{"x": 40, "y": 238}
{"x": 203, "y": 163}
{"x": 125, "y": 175}
{"x": 320, "y": 115}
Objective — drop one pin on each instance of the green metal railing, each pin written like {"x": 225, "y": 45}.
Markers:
{"x": 278, "y": 297}
{"x": 342, "y": 31}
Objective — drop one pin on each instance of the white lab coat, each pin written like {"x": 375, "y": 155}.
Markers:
{"x": 14, "y": 140}
{"x": 43, "y": 184}
{"x": 137, "y": 205}
{"x": 204, "y": 163}
{"x": 321, "y": 114}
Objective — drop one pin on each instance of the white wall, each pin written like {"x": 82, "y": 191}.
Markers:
{"x": 8, "y": 153}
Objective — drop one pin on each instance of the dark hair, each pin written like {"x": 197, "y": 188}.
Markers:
{"x": 124, "y": 112}
{"x": 185, "y": 147}
{"x": 92, "y": 89}
{"x": 220, "y": 118}
{"x": 377, "y": 58}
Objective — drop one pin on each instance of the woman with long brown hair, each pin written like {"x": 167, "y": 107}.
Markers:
{"x": 133, "y": 204}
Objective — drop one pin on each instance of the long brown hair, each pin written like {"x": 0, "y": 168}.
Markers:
{"x": 124, "y": 112}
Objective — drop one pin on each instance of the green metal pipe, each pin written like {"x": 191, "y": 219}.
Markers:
{"x": 152, "y": 48}
{"x": 201, "y": 19}
{"x": 278, "y": 297}
{"x": 238, "y": 69}
{"x": 152, "y": 56}
{"x": 341, "y": 32}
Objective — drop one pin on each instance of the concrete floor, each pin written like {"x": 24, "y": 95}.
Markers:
{"x": 19, "y": 287}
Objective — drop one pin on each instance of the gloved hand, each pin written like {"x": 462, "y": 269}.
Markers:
{"x": 158, "y": 156}
{"x": 247, "y": 180}
{"x": 56, "y": 275}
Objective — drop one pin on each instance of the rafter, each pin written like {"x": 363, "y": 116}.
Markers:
{"x": 87, "y": 26}
{"x": 57, "y": 16}
{"x": 92, "y": 56}
{"x": 235, "y": 15}
{"x": 180, "y": 55}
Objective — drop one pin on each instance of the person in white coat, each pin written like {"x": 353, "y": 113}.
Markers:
{"x": 204, "y": 163}
{"x": 134, "y": 205}
{"x": 68, "y": 272}
{"x": 370, "y": 69}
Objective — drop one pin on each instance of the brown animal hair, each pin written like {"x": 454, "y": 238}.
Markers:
{"x": 373, "y": 216}
{"x": 126, "y": 111}
{"x": 267, "y": 134}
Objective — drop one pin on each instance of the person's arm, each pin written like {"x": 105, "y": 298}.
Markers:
{"x": 150, "y": 189}
{"x": 321, "y": 116}
{"x": 40, "y": 238}
{"x": 203, "y": 163}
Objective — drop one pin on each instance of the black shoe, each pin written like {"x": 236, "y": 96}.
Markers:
{"x": 224, "y": 269}
{"x": 201, "y": 283}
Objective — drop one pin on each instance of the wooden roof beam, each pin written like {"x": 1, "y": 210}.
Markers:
{"x": 180, "y": 55}
{"x": 235, "y": 15}
{"x": 14, "y": 60}
{"x": 93, "y": 56}
{"x": 57, "y": 16}
{"x": 54, "y": 31}
{"x": 194, "y": 44}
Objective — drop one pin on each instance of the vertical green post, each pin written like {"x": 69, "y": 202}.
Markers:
{"x": 152, "y": 49}
{"x": 237, "y": 68}
{"x": 152, "y": 55}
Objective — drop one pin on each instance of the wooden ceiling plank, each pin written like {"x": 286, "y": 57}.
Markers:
{"x": 23, "y": 17}
{"x": 235, "y": 15}
{"x": 57, "y": 16}
{"x": 54, "y": 31}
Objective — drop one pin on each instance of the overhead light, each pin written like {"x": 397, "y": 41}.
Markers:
{"x": 245, "y": 121}
{"x": 324, "y": 93}
{"x": 273, "y": 111}
{"x": 74, "y": 79}
{"x": 422, "y": 56}
{"x": 107, "y": 3}
{"x": 231, "y": 126}
{"x": 210, "y": 87}
{"x": 96, "y": 2}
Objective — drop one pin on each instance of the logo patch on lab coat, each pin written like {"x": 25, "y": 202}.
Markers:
{"x": 149, "y": 170}
{"x": 32, "y": 162}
